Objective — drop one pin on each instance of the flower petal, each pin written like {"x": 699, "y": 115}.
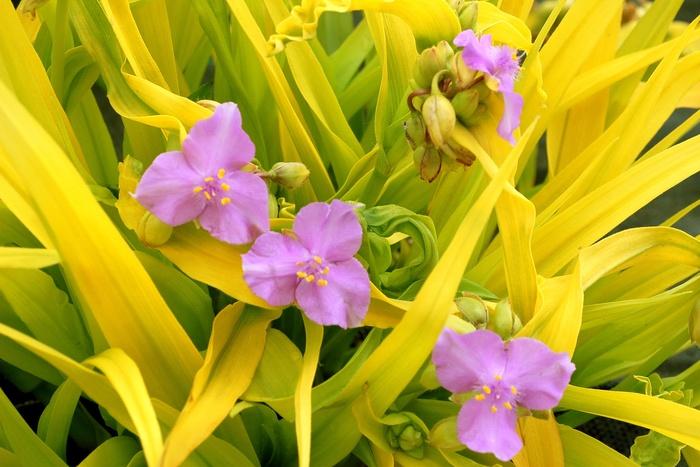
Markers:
{"x": 482, "y": 430}
{"x": 465, "y": 362}
{"x": 330, "y": 231}
{"x": 513, "y": 106}
{"x": 245, "y": 217}
{"x": 270, "y": 267}
{"x": 477, "y": 52}
{"x": 343, "y": 301}
{"x": 166, "y": 189}
{"x": 219, "y": 142}
{"x": 539, "y": 375}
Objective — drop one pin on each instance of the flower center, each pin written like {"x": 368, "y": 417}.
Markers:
{"x": 214, "y": 188}
{"x": 316, "y": 270}
{"x": 498, "y": 395}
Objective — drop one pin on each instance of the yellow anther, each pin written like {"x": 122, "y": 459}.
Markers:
{"x": 207, "y": 196}
{"x": 209, "y": 179}
{"x": 301, "y": 274}
{"x": 513, "y": 390}
{"x": 480, "y": 397}
{"x": 318, "y": 259}
{"x": 498, "y": 377}
{"x": 198, "y": 189}
{"x": 486, "y": 389}
{"x": 221, "y": 173}
{"x": 508, "y": 405}
{"x": 225, "y": 201}
{"x": 225, "y": 186}
{"x": 310, "y": 278}
{"x": 325, "y": 270}
{"x": 494, "y": 409}
{"x": 322, "y": 282}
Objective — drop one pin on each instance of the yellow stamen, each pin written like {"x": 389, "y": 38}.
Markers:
{"x": 480, "y": 397}
{"x": 209, "y": 179}
{"x": 325, "y": 270}
{"x": 508, "y": 405}
{"x": 310, "y": 278}
{"x": 225, "y": 186}
{"x": 322, "y": 282}
{"x": 198, "y": 189}
{"x": 486, "y": 389}
{"x": 318, "y": 259}
{"x": 225, "y": 201}
{"x": 221, "y": 173}
{"x": 513, "y": 390}
{"x": 494, "y": 409}
{"x": 301, "y": 274}
{"x": 498, "y": 377}
{"x": 207, "y": 196}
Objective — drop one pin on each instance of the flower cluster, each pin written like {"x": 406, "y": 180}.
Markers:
{"x": 454, "y": 88}
{"x": 212, "y": 180}
{"x": 313, "y": 266}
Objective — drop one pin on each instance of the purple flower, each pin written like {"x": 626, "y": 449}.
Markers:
{"x": 204, "y": 181}
{"x": 522, "y": 372}
{"x": 500, "y": 66}
{"x": 314, "y": 267}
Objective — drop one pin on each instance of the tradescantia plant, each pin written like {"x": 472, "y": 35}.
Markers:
{"x": 263, "y": 232}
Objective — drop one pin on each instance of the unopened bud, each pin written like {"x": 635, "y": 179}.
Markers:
{"x": 439, "y": 117}
{"x": 459, "y": 153}
{"x": 503, "y": 321}
{"x": 467, "y": 13}
{"x": 415, "y": 130}
{"x": 474, "y": 310}
{"x": 461, "y": 73}
{"x": 694, "y": 323}
{"x": 404, "y": 432}
{"x": 430, "y": 62}
{"x": 289, "y": 174}
{"x": 428, "y": 161}
{"x": 465, "y": 104}
{"x": 152, "y": 231}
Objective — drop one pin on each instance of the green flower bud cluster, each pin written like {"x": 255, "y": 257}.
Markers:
{"x": 473, "y": 309}
{"x": 445, "y": 93}
{"x": 406, "y": 432}
{"x": 503, "y": 320}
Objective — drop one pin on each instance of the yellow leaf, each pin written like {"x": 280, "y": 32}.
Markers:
{"x": 581, "y": 450}
{"x": 674, "y": 420}
{"x": 541, "y": 443}
{"x": 105, "y": 275}
{"x": 302, "y": 395}
{"x": 27, "y": 258}
{"x": 235, "y": 348}
{"x": 124, "y": 376}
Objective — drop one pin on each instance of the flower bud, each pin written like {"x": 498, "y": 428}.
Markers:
{"x": 461, "y": 73}
{"x": 439, "y": 117}
{"x": 430, "y": 62}
{"x": 289, "y": 174}
{"x": 428, "y": 161}
{"x": 694, "y": 323}
{"x": 474, "y": 310}
{"x": 503, "y": 321}
{"x": 406, "y": 432}
{"x": 459, "y": 153}
{"x": 465, "y": 104}
{"x": 467, "y": 13}
{"x": 152, "y": 231}
{"x": 415, "y": 130}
